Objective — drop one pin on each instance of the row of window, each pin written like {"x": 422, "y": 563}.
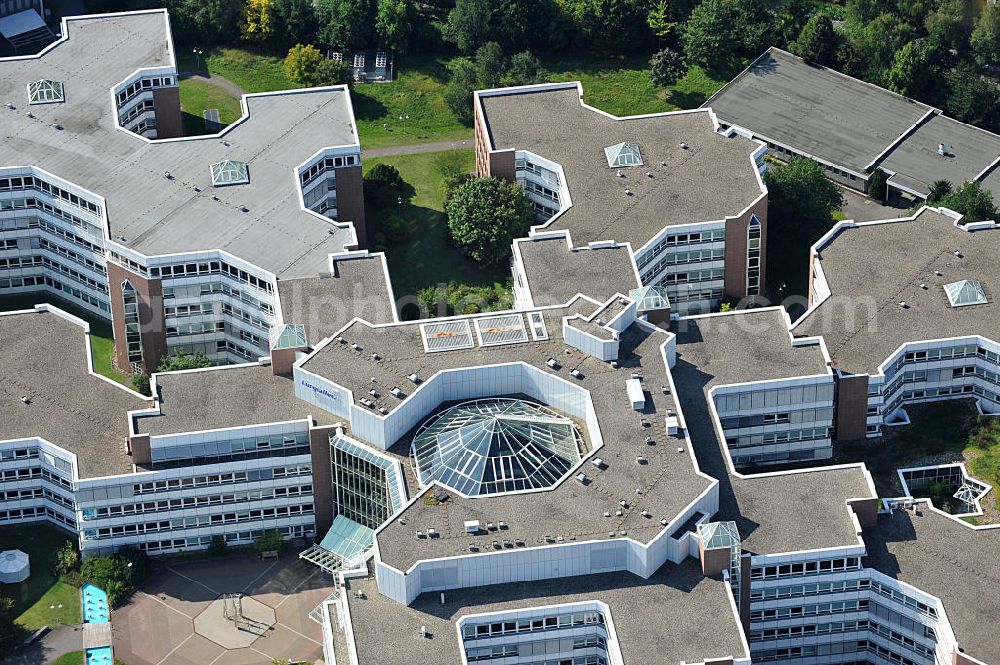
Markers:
{"x": 18, "y": 262}
{"x": 817, "y": 609}
{"x": 811, "y": 650}
{"x": 235, "y": 538}
{"x": 714, "y": 235}
{"x": 497, "y": 628}
{"x": 323, "y": 165}
{"x": 147, "y": 83}
{"x": 36, "y": 493}
{"x": 39, "y": 280}
{"x": 71, "y": 255}
{"x": 198, "y": 521}
{"x": 18, "y": 453}
{"x": 55, "y": 229}
{"x": 246, "y": 316}
{"x": 223, "y": 478}
{"x": 36, "y": 513}
{"x": 203, "y": 327}
{"x": 810, "y": 589}
{"x": 220, "y": 287}
{"x": 805, "y": 568}
{"x": 694, "y": 295}
{"x": 692, "y": 276}
{"x": 789, "y": 436}
{"x": 533, "y": 187}
{"x": 189, "y": 502}
{"x": 528, "y": 649}
{"x": 690, "y": 256}
{"x": 211, "y": 268}
{"x": 180, "y": 462}
{"x": 145, "y": 106}
{"x": 761, "y": 420}
{"x": 960, "y": 351}
{"x": 33, "y": 182}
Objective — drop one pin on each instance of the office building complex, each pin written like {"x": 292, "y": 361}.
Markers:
{"x": 586, "y": 479}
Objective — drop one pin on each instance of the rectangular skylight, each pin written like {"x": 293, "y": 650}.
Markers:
{"x": 505, "y": 329}
{"x": 446, "y": 336}
{"x": 538, "y": 330}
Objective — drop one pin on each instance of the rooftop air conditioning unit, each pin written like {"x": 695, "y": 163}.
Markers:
{"x": 414, "y": 378}
{"x": 396, "y": 392}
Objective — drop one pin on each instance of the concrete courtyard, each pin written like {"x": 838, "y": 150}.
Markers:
{"x": 177, "y": 617}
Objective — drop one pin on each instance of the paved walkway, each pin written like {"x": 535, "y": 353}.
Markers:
{"x": 392, "y": 150}
{"x": 216, "y": 80}
{"x": 860, "y": 208}
{"x": 58, "y": 641}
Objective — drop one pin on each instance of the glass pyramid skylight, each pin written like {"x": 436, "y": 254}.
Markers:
{"x": 965, "y": 292}
{"x": 490, "y": 446}
{"x": 649, "y": 297}
{"x": 45, "y": 91}
{"x": 623, "y": 154}
{"x": 719, "y": 534}
{"x": 288, "y": 335}
{"x": 230, "y": 172}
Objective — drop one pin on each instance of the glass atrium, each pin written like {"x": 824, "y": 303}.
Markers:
{"x": 496, "y": 445}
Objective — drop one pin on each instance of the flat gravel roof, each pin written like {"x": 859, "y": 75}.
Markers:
{"x": 948, "y": 559}
{"x": 556, "y": 272}
{"x": 228, "y": 396}
{"x": 573, "y": 510}
{"x": 711, "y": 178}
{"x": 774, "y": 512}
{"x": 677, "y": 613}
{"x": 872, "y": 267}
{"x": 357, "y": 287}
{"x": 917, "y": 162}
{"x": 45, "y": 360}
{"x": 815, "y": 110}
{"x": 157, "y": 215}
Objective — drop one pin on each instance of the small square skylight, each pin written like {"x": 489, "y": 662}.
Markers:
{"x": 44, "y": 91}
{"x": 966, "y": 292}
{"x": 230, "y": 172}
{"x": 623, "y": 154}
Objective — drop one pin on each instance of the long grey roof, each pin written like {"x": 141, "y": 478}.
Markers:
{"x": 157, "y": 215}
{"x": 872, "y": 267}
{"x": 950, "y": 560}
{"x": 774, "y": 512}
{"x": 917, "y": 163}
{"x": 221, "y": 397}
{"x": 815, "y": 110}
{"x": 714, "y": 177}
{"x": 677, "y": 614}
{"x": 556, "y": 272}
{"x": 357, "y": 287}
{"x": 45, "y": 360}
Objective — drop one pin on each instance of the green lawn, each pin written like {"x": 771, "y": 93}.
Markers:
{"x": 617, "y": 84}
{"x": 197, "y": 95}
{"x": 37, "y": 599}
{"x": 423, "y": 257}
{"x": 71, "y": 658}
{"x": 254, "y": 72}
{"x": 102, "y": 340}
{"x": 620, "y": 85}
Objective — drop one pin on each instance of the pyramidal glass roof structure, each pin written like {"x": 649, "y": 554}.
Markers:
{"x": 230, "y": 172}
{"x": 623, "y": 154}
{"x": 496, "y": 445}
{"x": 288, "y": 335}
{"x": 649, "y": 297}
{"x": 965, "y": 292}
{"x": 44, "y": 91}
{"x": 719, "y": 534}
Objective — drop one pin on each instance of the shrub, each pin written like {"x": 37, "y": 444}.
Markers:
{"x": 877, "y": 185}
{"x": 67, "y": 559}
{"x": 218, "y": 546}
{"x": 666, "y": 67}
{"x": 267, "y": 541}
{"x": 181, "y": 361}
{"x": 140, "y": 383}
{"x": 307, "y": 67}
{"x": 383, "y": 186}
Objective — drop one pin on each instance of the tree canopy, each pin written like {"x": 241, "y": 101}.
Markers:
{"x": 485, "y": 215}
{"x": 666, "y": 67}
{"x": 971, "y": 200}
{"x": 817, "y": 42}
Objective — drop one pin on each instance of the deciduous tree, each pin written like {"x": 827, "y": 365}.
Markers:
{"x": 985, "y": 40}
{"x": 394, "y": 23}
{"x": 485, "y": 215}
{"x": 817, "y": 41}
